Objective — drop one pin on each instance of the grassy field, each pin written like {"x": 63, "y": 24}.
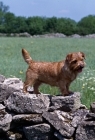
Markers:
{"x": 50, "y": 49}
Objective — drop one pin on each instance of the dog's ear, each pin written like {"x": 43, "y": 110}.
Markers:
{"x": 83, "y": 55}
{"x": 69, "y": 57}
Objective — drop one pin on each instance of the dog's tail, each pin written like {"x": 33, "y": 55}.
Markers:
{"x": 26, "y": 56}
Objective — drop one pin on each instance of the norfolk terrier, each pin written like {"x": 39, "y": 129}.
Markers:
{"x": 59, "y": 74}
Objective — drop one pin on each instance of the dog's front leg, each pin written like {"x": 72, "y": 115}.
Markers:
{"x": 63, "y": 89}
{"x": 64, "y": 92}
{"x": 67, "y": 86}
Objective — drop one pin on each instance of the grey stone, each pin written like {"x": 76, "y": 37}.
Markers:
{"x": 12, "y": 35}
{"x": 67, "y": 103}
{"x": 2, "y": 78}
{"x": 76, "y": 36}
{"x": 90, "y": 116}
{"x": 86, "y": 131}
{"x": 9, "y": 86}
{"x": 14, "y": 135}
{"x": 9, "y": 81}
{"x": 50, "y": 35}
{"x": 76, "y": 120}
{"x": 59, "y": 35}
{"x": 78, "y": 116}
{"x": 25, "y": 34}
{"x": 2, "y": 107}
{"x": 5, "y": 121}
{"x": 28, "y": 118}
{"x": 2, "y": 34}
{"x": 60, "y": 123}
{"x": 92, "y": 107}
{"x": 16, "y": 34}
{"x": 90, "y": 36}
{"x": 60, "y": 137}
{"x": 3, "y": 92}
{"x": 27, "y": 103}
{"x": 38, "y": 132}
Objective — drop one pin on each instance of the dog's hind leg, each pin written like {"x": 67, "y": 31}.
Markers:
{"x": 26, "y": 84}
{"x": 36, "y": 86}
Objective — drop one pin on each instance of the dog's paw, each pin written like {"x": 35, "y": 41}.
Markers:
{"x": 25, "y": 92}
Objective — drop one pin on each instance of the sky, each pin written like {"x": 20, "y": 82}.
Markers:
{"x": 74, "y": 9}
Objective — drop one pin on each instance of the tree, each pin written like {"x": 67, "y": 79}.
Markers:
{"x": 20, "y": 25}
{"x": 51, "y": 24}
{"x": 9, "y": 22}
{"x": 35, "y": 25}
{"x": 87, "y": 25}
{"x": 66, "y": 26}
{"x": 3, "y": 10}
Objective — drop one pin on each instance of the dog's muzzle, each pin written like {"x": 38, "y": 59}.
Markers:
{"x": 80, "y": 68}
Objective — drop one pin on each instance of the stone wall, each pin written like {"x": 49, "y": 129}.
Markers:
{"x": 49, "y": 35}
{"x": 42, "y": 117}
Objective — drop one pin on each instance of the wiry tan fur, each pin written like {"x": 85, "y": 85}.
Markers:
{"x": 59, "y": 74}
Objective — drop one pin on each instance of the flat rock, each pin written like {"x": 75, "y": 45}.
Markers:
{"x": 90, "y": 116}
{"x": 76, "y": 36}
{"x": 90, "y": 36}
{"x": 66, "y": 103}
{"x": 28, "y": 118}
{"x": 60, "y": 123}
{"x": 86, "y": 131}
{"x": 38, "y": 132}
{"x": 60, "y": 137}
{"x": 78, "y": 116}
{"x": 27, "y": 103}
{"x": 9, "y": 86}
{"x": 5, "y": 121}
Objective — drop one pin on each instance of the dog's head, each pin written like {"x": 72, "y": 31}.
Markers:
{"x": 75, "y": 61}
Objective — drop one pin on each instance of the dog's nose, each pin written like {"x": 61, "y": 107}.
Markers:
{"x": 81, "y": 66}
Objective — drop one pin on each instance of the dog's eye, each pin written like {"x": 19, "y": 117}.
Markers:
{"x": 75, "y": 61}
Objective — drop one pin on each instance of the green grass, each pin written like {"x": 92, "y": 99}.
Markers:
{"x": 50, "y": 49}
